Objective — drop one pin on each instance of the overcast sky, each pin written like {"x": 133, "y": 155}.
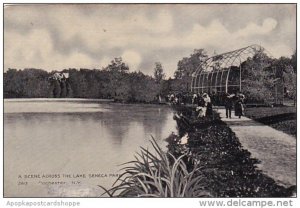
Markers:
{"x": 54, "y": 37}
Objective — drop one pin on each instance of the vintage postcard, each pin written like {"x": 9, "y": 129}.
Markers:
{"x": 150, "y": 100}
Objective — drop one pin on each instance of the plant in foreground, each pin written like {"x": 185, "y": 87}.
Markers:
{"x": 157, "y": 175}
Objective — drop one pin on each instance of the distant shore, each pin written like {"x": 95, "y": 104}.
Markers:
{"x": 91, "y": 100}
{"x": 55, "y": 99}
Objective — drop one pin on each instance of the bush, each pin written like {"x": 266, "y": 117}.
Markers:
{"x": 158, "y": 175}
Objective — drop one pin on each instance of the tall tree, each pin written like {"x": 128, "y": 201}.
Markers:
{"x": 188, "y": 65}
{"x": 159, "y": 74}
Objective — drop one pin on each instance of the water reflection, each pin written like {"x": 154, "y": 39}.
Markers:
{"x": 87, "y": 138}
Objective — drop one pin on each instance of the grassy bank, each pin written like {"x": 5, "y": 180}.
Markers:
{"x": 230, "y": 171}
{"x": 280, "y": 118}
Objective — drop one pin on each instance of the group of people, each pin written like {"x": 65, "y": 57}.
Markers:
{"x": 178, "y": 98}
{"x": 231, "y": 101}
{"x": 204, "y": 104}
{"x": 235, "y": 101}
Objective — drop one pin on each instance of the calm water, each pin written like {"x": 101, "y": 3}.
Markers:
{"x": 68, "y": 147}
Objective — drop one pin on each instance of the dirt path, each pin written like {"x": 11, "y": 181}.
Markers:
{"x": 276, "y": 150}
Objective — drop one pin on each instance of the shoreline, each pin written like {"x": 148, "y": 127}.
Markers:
{"x": 113, "y": 101}
{"x": 54, "y": 99}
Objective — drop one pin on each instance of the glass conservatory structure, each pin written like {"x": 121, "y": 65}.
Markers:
{"x": 223, "y": 72}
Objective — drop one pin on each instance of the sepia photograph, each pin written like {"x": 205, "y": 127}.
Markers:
{"x": 150, "y": 100}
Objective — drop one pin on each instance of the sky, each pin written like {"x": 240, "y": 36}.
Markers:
{"x": 55, "y": 37}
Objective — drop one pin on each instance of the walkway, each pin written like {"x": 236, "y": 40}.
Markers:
{"x": 276, "y": 150}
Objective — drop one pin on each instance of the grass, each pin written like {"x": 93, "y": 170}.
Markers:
{"x": 157, "y": 174}
{"x": 280, "y": 118}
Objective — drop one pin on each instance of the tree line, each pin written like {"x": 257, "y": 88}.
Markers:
{"x": 115, "y": 81}
{"x": 112, "y": 82}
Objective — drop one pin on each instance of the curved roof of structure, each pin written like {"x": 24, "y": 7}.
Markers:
{"x": 232, "y": 58}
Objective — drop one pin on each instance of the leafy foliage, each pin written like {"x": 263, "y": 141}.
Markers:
{"x": 117, "y": 65}
{"x": 27, "y": 83}
{"x": 185, "y": 68}
{"x": 84, "y": 83}
{"x": 188, "y": 65}
{"x": 266, "y": 79}
{"x": 157, "y": 174}
{"x": 258, "y": 78}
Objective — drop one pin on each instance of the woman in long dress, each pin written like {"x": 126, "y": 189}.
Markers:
{"x": 208, "y": 104}
{"x": 238, "y": 109}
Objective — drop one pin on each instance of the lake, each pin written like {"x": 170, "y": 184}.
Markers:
{"x": 67, "y": 147}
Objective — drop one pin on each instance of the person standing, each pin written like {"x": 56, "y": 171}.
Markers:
{"x": 194, "y": 99}
{"x": 239, "y": 108}
{"x": 207, "y": 104}
{"x": 228, "y": 105}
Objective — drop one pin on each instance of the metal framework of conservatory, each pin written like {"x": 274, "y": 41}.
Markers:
{"x": 223, "y": 72}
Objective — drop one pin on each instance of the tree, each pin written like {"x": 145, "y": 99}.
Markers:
{"x": 78, "y": 83}
{"x": 294, "y": 61}
{"x": 188, "y": 65}
{"x": 56, "y": 89}
{"x": 63, "y": 89}
{"x": 144, "y": 88}
{"x": 28, "y": 83}
{"x": 290, "y": 83}
{"x": 259, "y": 79}
{"x": 12, "y": 85}
{"x": 159, "y": 74}
{"x": 117, "y": 65}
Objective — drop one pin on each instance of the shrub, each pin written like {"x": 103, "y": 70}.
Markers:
{"x": 157, "y": 175}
